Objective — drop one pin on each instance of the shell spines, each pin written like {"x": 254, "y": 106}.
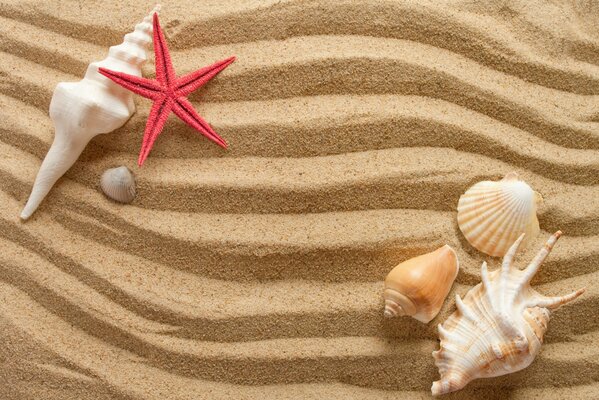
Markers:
{"x": 555, "y": 302}
{"x": 535, "y": 264}
{"x": 498, "y": 327}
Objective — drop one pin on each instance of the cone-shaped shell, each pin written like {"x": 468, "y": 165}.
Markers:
{"x": 418, "y": 287}
{"x": 118, "y": 184}
{"x": 493, "y": 214}
{"x": 92, "y": 106}
{"x": 499, "y": 326}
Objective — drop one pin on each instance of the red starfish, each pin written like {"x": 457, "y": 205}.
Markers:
{"x": 169, "y": 93}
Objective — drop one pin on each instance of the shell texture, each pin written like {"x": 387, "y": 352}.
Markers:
{"x": 118, "y": 184}
{"x": 493, "y": 214}
{"x": 499, "y": 326}
{"x": 418, "y": 287}
{"x": 92, "y": 106}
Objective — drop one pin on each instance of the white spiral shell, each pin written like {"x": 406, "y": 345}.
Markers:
{"x": 118, "y": 184}
{"x": 499, "y": 326}
{"x": 92, "y": 106}
{"x": 493, "y": 214}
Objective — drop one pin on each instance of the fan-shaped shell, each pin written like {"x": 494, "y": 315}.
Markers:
{"x": 118, "y": 184}
{"x": 499, "y": 326}
{"x": 492, "y": 215}
{"x": 418, "y": 286}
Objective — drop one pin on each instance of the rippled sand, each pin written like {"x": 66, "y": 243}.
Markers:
{"x": 354, "y": 126}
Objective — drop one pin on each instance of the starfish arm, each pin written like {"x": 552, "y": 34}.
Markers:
{"x": 184, "y": 110}
{"x": 165, "y": 73}
{"x": 190, "y": 82}
{"x": 156, "y": 120}
{"x": 147, "y": 88}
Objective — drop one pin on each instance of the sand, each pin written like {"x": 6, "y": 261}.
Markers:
{"x": 354, "y": 126}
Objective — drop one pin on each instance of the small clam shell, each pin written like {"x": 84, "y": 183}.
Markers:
{"x": 118, "y": 184}
{"x": 493, "y": 214}
{"x": 418, "y": 287}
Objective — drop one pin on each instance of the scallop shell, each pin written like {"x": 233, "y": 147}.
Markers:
{"x": 499, "y": 326}
{"x": 492, "y": 215}
{"x": 118, "y": 184}
{"x": 418, "y": 287}
{"x": 90, "y": 107}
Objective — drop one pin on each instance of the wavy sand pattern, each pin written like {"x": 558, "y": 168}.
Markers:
{"x": 353, "y": 126}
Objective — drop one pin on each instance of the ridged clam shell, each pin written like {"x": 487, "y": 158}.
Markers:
{"x": 499, "y": 326}
{"x": 418, "y": 287}
{"x": 118, "y": 184}
{"x": 493, "y": 214}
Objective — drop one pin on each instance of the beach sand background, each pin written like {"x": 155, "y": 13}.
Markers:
{"x": 354, "y": 126}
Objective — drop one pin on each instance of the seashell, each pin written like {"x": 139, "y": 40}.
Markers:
{"x": 492, "y": 215}
{"x": 118, "y": 184}
{"x": 499, "y": 326}
{"x": 92, "y": 106}
{"x": 418, "y": 287}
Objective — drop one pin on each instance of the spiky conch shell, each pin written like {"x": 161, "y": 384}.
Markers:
{"x": 499, "y": 326}
{"x": 92, "y": 106}
{"x": 493, "y": 214}
{"x": 118, "y": 184}
{"x": 418, "y": 287}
